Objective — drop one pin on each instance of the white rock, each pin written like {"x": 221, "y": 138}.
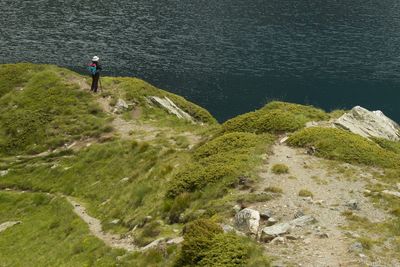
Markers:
{"x": 120, "y": 106}
{"x": 176, "y": 240}
{"x": 154, "y": 244}
{"x": 248, "y": 220}
{"x": 277, "y": 240}
{"x": 369, "y": 124}
{"x": 392, "y": 193}
{"x": 116, "y": 221}
{"x": 6, "y": 225}
{"x": 3, "y": 173}
{"x": 126, "y": 179}
{"x": 170, "y": 106}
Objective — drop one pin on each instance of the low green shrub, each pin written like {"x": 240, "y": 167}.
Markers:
{"x": 280, "y": 169}
{"x": 273, "y": 189}
{"x": 341, "y": 145}
{"x": 205, "y": 244}
{"x": 275, "y": 117}
{"x": 221, "y": 160}
{"x": 305, "y": 193}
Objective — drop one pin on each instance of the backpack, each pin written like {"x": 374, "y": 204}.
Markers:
{"x": 92, "y": 69}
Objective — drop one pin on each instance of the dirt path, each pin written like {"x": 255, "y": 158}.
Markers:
{"x": 111, "y": 240}
{"x": 324, "y": 243}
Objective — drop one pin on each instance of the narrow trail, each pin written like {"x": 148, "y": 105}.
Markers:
{"x": 95, "y": 228}
{"x": 111, "y": 240}
{"x": 128, "y": 128}
{"x": 325, "y": 243}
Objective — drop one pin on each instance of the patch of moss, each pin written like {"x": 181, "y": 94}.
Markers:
{"x": 341, "y": 145}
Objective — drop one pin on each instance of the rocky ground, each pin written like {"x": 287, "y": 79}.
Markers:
{"x": 311, "y": 230}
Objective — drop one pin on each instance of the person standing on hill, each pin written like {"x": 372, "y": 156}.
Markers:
{"x": 95, "y": 69}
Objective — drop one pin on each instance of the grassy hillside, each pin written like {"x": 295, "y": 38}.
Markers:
{"x": 149, "y": 184}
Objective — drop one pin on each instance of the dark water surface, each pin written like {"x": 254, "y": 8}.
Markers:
{"x": 229, "y": 56}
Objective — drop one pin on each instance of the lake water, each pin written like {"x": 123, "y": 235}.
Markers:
{"x": 229, "y": 56}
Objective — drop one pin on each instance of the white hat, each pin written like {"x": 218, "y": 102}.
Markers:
{"x": 95, "y": 58}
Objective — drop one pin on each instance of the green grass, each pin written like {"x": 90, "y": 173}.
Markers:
{"x": 341, "y": 145}
{"x": 280, "y": 169}
{"x": 137, "y": 91}
{"x": 275, "y": 117}
{"x": 305, "y": 193}
{"x": 52, "y": 235}
{"x": 222, "y": 160}
{"x": 47, "y": 113}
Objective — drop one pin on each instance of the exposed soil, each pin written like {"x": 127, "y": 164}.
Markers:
{"x": 324, "y": 243}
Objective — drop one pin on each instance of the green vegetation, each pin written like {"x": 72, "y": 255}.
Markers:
{"x": 273, "y": 189}
{"x": 341, "y": 145}
{"x": 280, "y": 169}
{"x": 220, "y": 161}
{"x": 50, "y": 234}
{"x": 275, "y": 117}
{"x": 137, "y": 91}
{"x": 46, "y": 112}
{"x": 206, "y": 245}
{"x": 305, "y": 193}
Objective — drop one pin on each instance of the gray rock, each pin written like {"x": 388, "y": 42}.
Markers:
{"x": 353, "y": 204}
{"x": 266, "y": 214}
{"x": 228, "y": 229}
{"x": 120, "y": 106}
{"x": 248, "y": 220}
{"x": 270, "y": 232}
{"x": 154, "y": 244}
{"x": 170, "y": 106}
{"x": 356, "y": 247}
{"x": 271, "y": 221}
{"x": 369, "y": 124}
{"x": 303, "y": 220}
{"x": 298, "y": 214}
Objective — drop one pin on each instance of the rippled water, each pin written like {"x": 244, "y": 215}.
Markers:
{"x": 229, "y": 56}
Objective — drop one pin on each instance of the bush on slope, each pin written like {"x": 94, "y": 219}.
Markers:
{"x": 275, "y": 117}
{"x": 341, "y": 145}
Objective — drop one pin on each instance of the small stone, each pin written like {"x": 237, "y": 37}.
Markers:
{"x": 266, "y": 214}
{"x": 356, "y": 247}
{"x": 284, "y": 139}
{"x": 176, "y": 240}
{"x": 116, "y": 221}
{"x": 323, "y": 235}
{"x": 307, "y": 241}
{"x": 298, "y": 214}
{"x": 236, "y": 208}
{"x": 271, "y": 221}
{"x": 278, "y": 240}
{"x": 126, "y": 179}
{"x": 353, "y": 204}
{"x": 366, "y": 191}
{"x": 362, "y": 255}
{"x": 3, "y": 173}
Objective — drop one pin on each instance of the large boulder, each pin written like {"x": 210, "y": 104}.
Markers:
{"x": 170, "y": 106}
{"x": 248, "y": 220}
{"x": 369, "y": 124}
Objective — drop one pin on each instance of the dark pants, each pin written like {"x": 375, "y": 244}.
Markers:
{"x": 95, "y": 82}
